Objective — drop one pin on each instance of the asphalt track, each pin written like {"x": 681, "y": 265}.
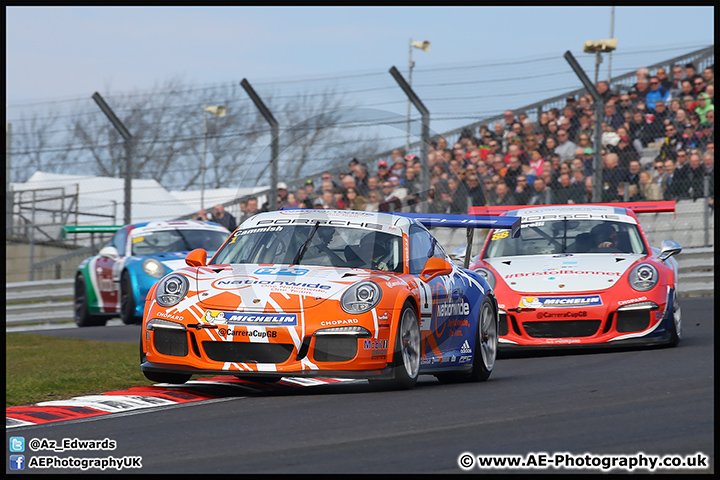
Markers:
{"x": 634, "y": 403}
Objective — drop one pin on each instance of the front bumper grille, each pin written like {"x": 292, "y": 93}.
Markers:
{"x": 246, "y": 352}
{"x": 171, "y": 342}
{"x": 562, "y": 328}
{"x": 335, "y": 348}
{"x": 632, "y": 321}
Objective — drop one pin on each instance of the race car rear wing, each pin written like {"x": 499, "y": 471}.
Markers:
{"x": 470, "y": 222}
{"x": 636, "y": 207}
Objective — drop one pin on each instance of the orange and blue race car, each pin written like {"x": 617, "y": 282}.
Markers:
{"x": 582, "y": 275}
{"x": 326, "y": 293}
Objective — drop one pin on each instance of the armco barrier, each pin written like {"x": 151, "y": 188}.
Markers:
{"x": 51, "y": 301}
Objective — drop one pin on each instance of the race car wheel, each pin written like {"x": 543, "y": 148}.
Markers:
{"x": 486, "y": 348}
{"x": 82, "y": 310}
{"x": 406, "y": 357}
{"x": 163, "y": 377}
{"x": 127, "y": 301}
{"x": 676, "y": 326}
{"x": 486, "y": 342}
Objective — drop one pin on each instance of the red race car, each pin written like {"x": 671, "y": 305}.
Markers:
{"x": 581, "y": 275}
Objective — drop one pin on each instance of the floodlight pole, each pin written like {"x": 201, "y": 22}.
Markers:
{"x": 424, "y": 170}
{"x": 599, "y": 109}
{"x": 274, "y": 145}
{"x": 128, "y": 152}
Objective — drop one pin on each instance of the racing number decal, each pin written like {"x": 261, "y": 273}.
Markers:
{"x": 499, "y": 235}
{"x": 426, "y": 306}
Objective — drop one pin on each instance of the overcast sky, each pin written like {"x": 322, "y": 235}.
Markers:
{"x": 57, "y": 53}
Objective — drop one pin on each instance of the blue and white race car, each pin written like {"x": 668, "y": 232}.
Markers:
{"x": 117, "y": 280}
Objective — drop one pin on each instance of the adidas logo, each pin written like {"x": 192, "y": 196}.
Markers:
{"x": 465, "y": 348}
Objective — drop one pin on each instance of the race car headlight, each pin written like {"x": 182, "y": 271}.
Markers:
{"x": 361, "y": 297}
{"x": 352, "y": 330}
{"x": 487, "y": 275}
{"x": 171, "y": 290}
{"x": 643, "y": 277}
{"x": 153, "y": 268}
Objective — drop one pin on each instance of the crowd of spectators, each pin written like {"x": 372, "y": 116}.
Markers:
{"x": 517, "y": 161}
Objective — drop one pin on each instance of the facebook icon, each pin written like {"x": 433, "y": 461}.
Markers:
{"x": 17, "y": 462}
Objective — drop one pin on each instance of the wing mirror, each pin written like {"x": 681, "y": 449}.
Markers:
{"x": 668, "y": 249}
{"x": 435, "y": 266}
{"x": 197, "y": 258}
{"x": 109, "y": 252}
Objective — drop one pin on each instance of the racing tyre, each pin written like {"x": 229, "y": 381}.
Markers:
{"x": 486, "y": 348}
{"x": 406, "y": 357}
{"x": 127, "y": 301}
{"x": 676, "y": 324}
{"x": 82, "y": 310}
{"x": 486, "y": 343}
{"x": 163, "y": 377}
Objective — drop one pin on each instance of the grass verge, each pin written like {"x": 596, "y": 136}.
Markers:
{"x": 40, "y": 368}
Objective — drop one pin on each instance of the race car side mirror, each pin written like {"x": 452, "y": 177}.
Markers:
{"x": 109, "y": 252}
{"x": 197, "y": 258}
{"x": 668, "y": 249}
{"x": 433, "y": 267}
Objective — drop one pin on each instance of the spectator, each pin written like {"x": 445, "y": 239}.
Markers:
{"x": 699, "y": 86}
{"x": 612, "y": 118}
{"x": 688, "y": 89}
{"x": 634, "y": 169}
{"x": 226, "y": 219}
{"x": 688, "y": 139}
{"x": 339, "y": 198}
{"x": 643, "y": 87}
{"x": 613, "y": 174}
{"x": 567, "y": 192}
{"x": 201, "y": 216}
{"x": 503, "y": 195}
{"x": 456, "y": 200}
{"x": 302, "y": 199}
{"x": 671, "y": 143}
{"x": 383, "y": 171}
{"x": 603, "y": 88}
{"x": 707, "y": 135}
{"x": 390, "y": 202}
{"x": 354, "y": 201}
{"x": 709, "y": 171}
{"x": 696, "y": 175}
{"x": 566, "y": 148}
{"x": 373, "y": 203}
{"x": 649, "y": 190}
{"x": 672, "y": 183}
{"x": 251, "y": 209}
{"x": 541, "y": 194}
{"x": 475, "y": 191}
{"x": 665, "y": 81}
{"x": 489, "y": 185}
{"x": 656, "y": 92}
{"x": 678, "y": 76}
{"x": 703, "y": 106}
{"x": 523, "y": 191}
{"x": 626, "y": 153}
{"x": 691, "y": 72}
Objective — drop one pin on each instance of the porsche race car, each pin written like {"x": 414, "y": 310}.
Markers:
{"x": 116, "y": 281}
{"x": 582, "y": 275}
{"x": 325, "y": 293}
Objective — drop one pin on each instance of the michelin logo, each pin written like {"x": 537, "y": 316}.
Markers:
{"x": 256, "y": 319}
{"x": 544, "y": 302}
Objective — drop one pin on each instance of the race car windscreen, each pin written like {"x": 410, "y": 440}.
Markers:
{"x": 317, "y": 244}
{"x": 177, "y": 240}
{"x": 548, "y": 237}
